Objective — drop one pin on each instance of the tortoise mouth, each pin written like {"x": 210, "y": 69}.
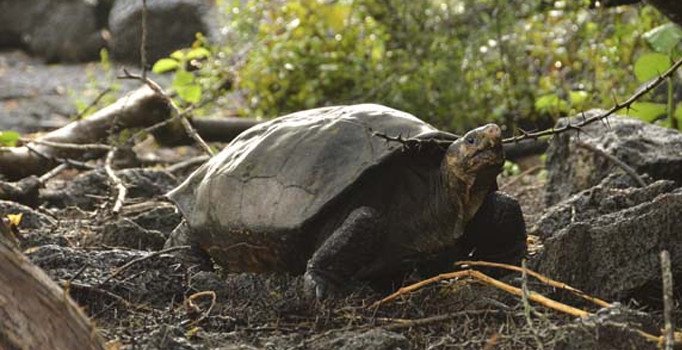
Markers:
{"x": 489, "y": 157}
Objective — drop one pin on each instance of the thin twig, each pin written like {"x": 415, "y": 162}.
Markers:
{"x": 616, "y": 107}
{"x": 189, "y": 303}
{"x": 667, "y": 277}
{"x": 117, "y": 183}
{"x": 402, "y": 324}
{"x": 532, "y": 296}
{"x": 127, "y": 265}
{"x": 72, "y": 146}
{"x": 67, "y": 161}
{"x": 143, "y": 41}
{"x": 628, "y": 169}
{"x": 187, "y": 163}
{"x": 52, "y": 173}
{"x": 93, "y": 103}
{"x": 544, "y": 279}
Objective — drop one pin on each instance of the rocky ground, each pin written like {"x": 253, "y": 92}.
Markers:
{"x": 590, "y": 224}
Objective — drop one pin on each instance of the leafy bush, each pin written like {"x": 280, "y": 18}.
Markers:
{"x": 454, "y": 63}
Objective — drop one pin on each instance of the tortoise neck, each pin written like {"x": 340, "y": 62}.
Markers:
{"x": 465, "y": 194}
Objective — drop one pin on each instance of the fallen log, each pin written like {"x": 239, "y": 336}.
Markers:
{"x": 211, "y": 129}
{"x": 140, "y": 108}
{"x": 35, "y": 313}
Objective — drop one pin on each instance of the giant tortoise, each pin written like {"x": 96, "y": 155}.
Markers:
{"x": 322, "y": 192}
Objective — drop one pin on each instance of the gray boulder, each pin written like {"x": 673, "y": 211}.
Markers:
{"x": 612, "y": 328}
{"x": 647, "y": 148}
{"x": 375, "y": 339}
{"x": 57, "y": 30}
{"x": 607, "y": 241}
{"x": 171, "y": 25}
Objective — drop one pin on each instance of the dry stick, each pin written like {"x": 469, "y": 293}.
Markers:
{"x": 189, "y": 304}
{"x": 532, "y": 296}
{"x": 67, "y": 161}
{"x": 616, "y": 107}
{"x": 52, "y": 173}
{"x": 93, "y": 103}
{"x": 187, "y": 163}
{"x": 121, "y": 190}
{"x": 140, "y": 259}
{"x": 544, "y": 279}
{"x": 189, "y": 129}
{"x": 628, "y": 169}
{"x": 435, "y": 319}
{"x": 143, "y": 41}
{"x": 667, "y": 277}
{"x": 65, "y": 145}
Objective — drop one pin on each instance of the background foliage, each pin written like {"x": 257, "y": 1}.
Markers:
{"x": 454, "y": 63}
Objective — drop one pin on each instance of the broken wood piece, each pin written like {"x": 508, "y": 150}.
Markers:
{"x": 35, "y": 313}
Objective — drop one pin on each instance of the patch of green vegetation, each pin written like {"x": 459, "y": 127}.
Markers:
{"x": 454, "y": 63}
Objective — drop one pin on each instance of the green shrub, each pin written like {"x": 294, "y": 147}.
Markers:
{"x": 454, "y": 63}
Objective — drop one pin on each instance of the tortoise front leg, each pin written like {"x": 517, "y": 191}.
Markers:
{"x": 341, "y": 255}
{"x": 497, "y": 233}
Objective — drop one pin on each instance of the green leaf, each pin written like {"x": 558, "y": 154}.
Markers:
{"x": 199, "y": 52}
{"x": 650, "y": 66}
{"x": 9, "y": 138}
{"x": 664, "y": 38}
{"x": 185, "y": 85}
{"x": 551, "y": 103}
{"x": 647, "y": 111}
{"x": 183, "y": 78}
{"x": 165, "y": 65}
{"x": 178, "y": 55}
{"x": 577, "y": 98}
{"x": 189, "y": 93}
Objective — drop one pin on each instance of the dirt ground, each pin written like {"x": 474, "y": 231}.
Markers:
{"x": 163, "y": 302}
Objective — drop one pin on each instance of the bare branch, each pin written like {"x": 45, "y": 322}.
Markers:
{"x": 117, "y": 183}
{"x": 667, "y": 277}
{"x": 143, "y": 41}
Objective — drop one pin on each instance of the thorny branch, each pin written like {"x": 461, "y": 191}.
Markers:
{"x": 616, "y": 107}
{"x": 414, "y": 142}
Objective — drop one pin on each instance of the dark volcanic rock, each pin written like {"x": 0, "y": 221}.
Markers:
{"x": 89, "y": 189}
{"x": 57, "y": 30}
{"x": 126, "y": 233}
{"x": 31, "y": 219}
{"x": 615, "y": 193}
{"x": 647, "y": 148}
{"x": 615, "y": 253}
{"x": 612, "y": 328}
{"x": 155, "y": 281}
{"x": 171, "y": 25}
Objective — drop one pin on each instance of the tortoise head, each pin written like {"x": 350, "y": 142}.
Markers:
{"x": 471, "y": 166}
